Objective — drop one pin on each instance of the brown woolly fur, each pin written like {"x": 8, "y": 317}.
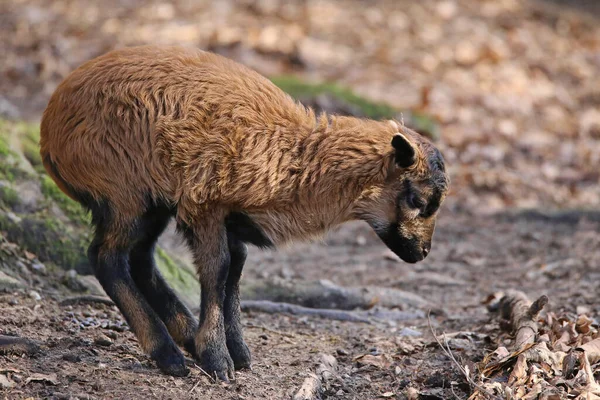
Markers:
{"x": 142, "y": 134}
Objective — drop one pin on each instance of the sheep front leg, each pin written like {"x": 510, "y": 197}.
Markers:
{"x": 212, "y": 259}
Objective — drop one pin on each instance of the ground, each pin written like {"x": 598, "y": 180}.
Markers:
{"x": 513, "y": 87}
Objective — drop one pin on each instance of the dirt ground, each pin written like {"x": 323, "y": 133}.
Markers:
{"x": 515, "y": 88}
{"x": 554, "y": 254}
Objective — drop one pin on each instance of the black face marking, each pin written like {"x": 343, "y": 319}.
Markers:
{"x": 407, "y": 249}
{"x": 246, "y": 230}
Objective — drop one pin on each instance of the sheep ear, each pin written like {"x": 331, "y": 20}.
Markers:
{"x": 405, "y": 154}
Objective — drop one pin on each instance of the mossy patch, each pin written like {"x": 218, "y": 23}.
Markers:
{"x": 69, "y": 206}
{"x": 48, "y": 238}
{"x": 342, "y": 100}
{"x": 303, "y": 90}
{"x": 9, "y": 197}
{"x": 179, "y": 277}
{"x": 4, "y": 148}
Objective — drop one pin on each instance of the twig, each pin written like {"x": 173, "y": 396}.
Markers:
{"x": 275, "y": 308}
{"x": 522, "y": 314}
{"x": 448, "y": 352}
{"x": 17, "y": 345}
{"x": 312, "y": 386}
{"x": 205, "y": 373}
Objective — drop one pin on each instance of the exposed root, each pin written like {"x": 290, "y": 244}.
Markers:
{"x": 17, "y": 345}
{"x": 326, "y": 294}
{"x": 366, "y": 317}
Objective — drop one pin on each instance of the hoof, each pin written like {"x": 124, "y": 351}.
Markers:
{"x": 240, "y": 354}
{"x": 174, "y": 370}
{"x": 217, "y": 363}
{"x": 170, "y": 360}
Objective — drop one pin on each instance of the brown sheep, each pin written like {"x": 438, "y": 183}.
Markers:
{"x": 143, "y": 134}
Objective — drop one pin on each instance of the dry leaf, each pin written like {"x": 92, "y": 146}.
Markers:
{"x": 592, "y": 350}
{"x": 50, "y": 378}
{"x": 518, "y": 376}
{"x": 379, "y": 361}
{"x": 5, "y": 382}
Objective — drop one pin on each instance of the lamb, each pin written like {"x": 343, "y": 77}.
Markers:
{"x": 144, "y": 134}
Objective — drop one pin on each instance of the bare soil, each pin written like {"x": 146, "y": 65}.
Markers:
{"x": 473, "y": 258}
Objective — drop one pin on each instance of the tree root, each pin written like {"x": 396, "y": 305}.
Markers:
{"x": 326, "y": 294}
{"x": 271, "y": 307}
{"x": 17, "y": 345}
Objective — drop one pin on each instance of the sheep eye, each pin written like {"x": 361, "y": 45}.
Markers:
{"x": 416, "y": 202}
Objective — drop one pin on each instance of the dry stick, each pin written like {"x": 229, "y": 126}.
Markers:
{"x": 275, "y": 308}
{"x": 312, "y": 385}
{"x": 271, "y": 307}
{"x": 448, "y": 352}
{"x": 17, "y": 345}
{"x": 522, "y": 314}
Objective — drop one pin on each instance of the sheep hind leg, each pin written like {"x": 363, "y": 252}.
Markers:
{"x": 108, "y": 255}
{"x": 211, "y": 253}
{"x": 238, "y": 350}
{"x": 176, "y": 316}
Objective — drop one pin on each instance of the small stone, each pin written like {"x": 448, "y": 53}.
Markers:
{"x": 361, "y": 240}
{"x": 35, "y": 295}
{"x": 103, "y": 340}
{"x": 39, "y": 267}
{"x": 112, "y": 334}
{"x": 6, "y": 383}
{"x": 13, "y": 302}
{"x": 342, "y": 352}
{"x": 410, "y": 332}
{"x": 583, "y": 310}
{"x": 8, "y": 282}
{"x": 71, "y": 357}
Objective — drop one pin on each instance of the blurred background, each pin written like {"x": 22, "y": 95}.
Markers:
{"x": 508, "y": 89}
{"x": 514, "y": 84}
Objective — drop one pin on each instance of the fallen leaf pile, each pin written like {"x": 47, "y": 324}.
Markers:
{"x": 562, "y": 361}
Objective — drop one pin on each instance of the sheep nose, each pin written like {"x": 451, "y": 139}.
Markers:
{"x": 426, "y": 249}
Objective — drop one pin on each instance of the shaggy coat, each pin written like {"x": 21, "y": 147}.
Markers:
{"x": 143, "y": 134}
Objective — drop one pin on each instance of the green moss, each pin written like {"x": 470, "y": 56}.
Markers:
{"x": 301, "y": 90}
{"x": 69, "y": 206}
{"x": 4, "y": 149}
{"x": 9, "y": 197}
{"x": 180, "y": 277}
{"x": 31, "y": 152}
{"x": 50, "y": 239}
{"x": 362, "y": 107}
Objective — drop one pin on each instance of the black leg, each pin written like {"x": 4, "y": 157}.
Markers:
{"x": 209, "y": 245}
{"x": 179, "y": 320}
{"x": 238, "y": 350}
{"x": 109, "y": 256}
